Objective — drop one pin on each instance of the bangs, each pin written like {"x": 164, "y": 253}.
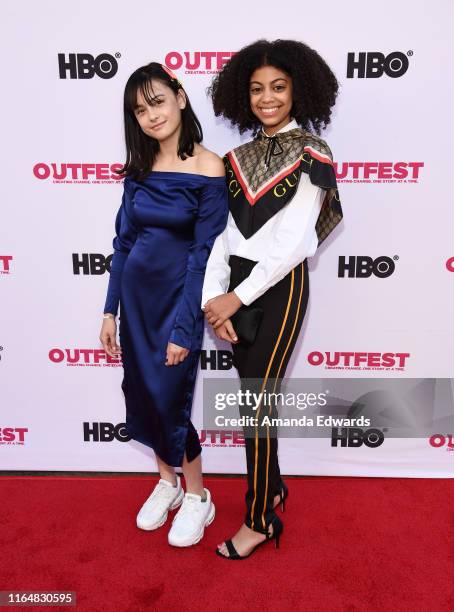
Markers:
{"x": 145, "y": 87}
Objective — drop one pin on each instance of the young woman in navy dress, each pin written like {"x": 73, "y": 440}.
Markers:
{"x": 173, "y": 207}
{"x": 283, "y": 203}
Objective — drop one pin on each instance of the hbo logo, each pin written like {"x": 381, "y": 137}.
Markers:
{"x": 356, "y": 437}
{"x": 363, "y": 267}
{"x": 85, "y": 66}
{"x": 91, "y": 263}
{"x": 105, "y": 432}
{"x": 372, "y": 65}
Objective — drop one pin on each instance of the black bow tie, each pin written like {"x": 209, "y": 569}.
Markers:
{"x": 275, "y": 144}
{"x": 274, "y": 148}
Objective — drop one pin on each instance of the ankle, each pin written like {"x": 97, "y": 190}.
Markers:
{"x": 172, "y": 478}
{"x": 197, "y": 491}
{"x": 255, "y": 534}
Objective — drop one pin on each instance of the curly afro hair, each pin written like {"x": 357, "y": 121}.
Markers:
{"x": 314, "y": 85}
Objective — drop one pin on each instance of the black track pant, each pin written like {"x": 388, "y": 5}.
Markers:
{"x": 261, "y": 367}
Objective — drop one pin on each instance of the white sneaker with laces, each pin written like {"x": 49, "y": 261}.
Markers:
{"x": 155, "y": 510}
{"x": 188, "y": 525}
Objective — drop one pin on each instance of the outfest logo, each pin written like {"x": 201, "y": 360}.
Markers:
{"x": 353, "y": 360}
{"x": 197, "y": 62}
{"x": 77, "y": 172}
{"x": 449, "y": 264}
{"x": 13, "y": 436}
{"x": 80, "y": 357}
{"x": 442, "y": 441}
{"x": 378, "y": 171}
{"x": 221, "y": 437}
{"x": 5, "y": 264}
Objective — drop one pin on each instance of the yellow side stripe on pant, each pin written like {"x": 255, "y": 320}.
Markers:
{"x": 294, "y": 327}
{"x": 275, "y": 383}
{"x": 260, "y": 405}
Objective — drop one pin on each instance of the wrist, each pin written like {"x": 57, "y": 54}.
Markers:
{"x": 108, "y": 315}
{"x": 244, "y": 293}
{"x": 237, "y": 300}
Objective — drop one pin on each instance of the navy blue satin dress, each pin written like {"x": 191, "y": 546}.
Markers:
{"x": 165, "y": 229}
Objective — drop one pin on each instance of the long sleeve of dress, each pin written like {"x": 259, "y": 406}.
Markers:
{"x": 294, "y": 240}
{"x": 210, "y": 222}
{"x": 126, "y": 234}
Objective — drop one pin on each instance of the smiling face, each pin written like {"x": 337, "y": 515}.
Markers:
{"x": 158, "y": 110}
{"x": 271, "y": 97}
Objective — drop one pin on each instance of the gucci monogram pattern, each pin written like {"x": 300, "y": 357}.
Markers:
{"x": 251, "y": 158}
{"x": 330, "y": 215}
{"x": 296, "y": 151}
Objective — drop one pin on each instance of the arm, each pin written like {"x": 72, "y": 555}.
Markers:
{"x": 126, "y": 234}
{"x": 217, "y": 274}
{"x": 210, "y": 222}
{"x": 294, "y": 240}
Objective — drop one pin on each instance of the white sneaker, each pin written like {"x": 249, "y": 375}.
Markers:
{"x": 189, "y": 523}
{"x": 155, "y": 510}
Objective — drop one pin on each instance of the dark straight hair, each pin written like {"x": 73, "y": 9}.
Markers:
{"x": 141, "y": 149}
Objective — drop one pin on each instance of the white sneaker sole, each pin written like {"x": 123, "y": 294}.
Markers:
{"x": 147, "y": 527}
{"x": 199, "y": 536}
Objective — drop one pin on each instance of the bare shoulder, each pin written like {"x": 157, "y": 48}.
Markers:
{"x": 209, "y": 164}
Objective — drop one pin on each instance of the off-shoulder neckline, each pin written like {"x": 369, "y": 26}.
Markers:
{"x": 173, "y": 173}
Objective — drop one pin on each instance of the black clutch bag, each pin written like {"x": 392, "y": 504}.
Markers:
{"x": 246, "y": 322}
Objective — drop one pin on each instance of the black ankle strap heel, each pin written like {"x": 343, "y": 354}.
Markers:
{"x": 283, "y": 494}
{"x": 278, "y": 528}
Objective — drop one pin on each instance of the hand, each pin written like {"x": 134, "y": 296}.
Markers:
{"x": 175, "y": 354}
{"x": 108, "y": 337}
{"x": 226, "y": 332}
{"x": 221, "y": 308}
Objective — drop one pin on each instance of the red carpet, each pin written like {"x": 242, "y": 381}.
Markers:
{"x": 349, "y": 544}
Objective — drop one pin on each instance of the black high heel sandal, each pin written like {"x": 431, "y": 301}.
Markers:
{"x": 283, "y": 494}
{"x": 278, "y": 528}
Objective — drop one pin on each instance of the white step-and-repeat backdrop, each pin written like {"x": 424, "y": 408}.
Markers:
{"x": 381, "y": 287}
